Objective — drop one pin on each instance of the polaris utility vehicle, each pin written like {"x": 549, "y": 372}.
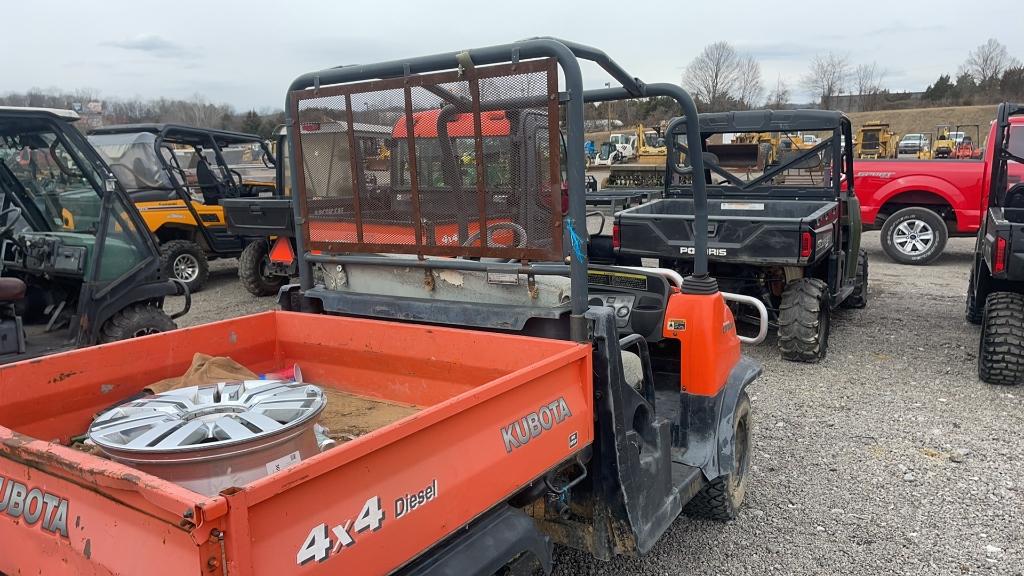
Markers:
{"x": 77, "y": 266}
{"x": 995, "y": 295}
{"x": 177, "y": 176}
{"x": 553, "y": 401}
{"x": 788, "y": 235}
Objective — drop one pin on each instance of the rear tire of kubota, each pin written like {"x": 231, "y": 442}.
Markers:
{"x": 136, "y": 320}
{"x": 722, "y": 497}
{"x": 185, "y": 260}
{"x": 859, "y": 297}
{"x": 253, "y": 266}
{"x": 914, "y": 235}
{"x": 975, "y": 312}
{"x": 804, "y": 320}
{"x": 1001, "y": 347}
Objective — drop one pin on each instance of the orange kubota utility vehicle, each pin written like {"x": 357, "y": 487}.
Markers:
{"x": 547, "y": 402}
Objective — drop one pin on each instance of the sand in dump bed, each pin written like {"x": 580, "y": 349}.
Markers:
{"x": 348, "y": 416}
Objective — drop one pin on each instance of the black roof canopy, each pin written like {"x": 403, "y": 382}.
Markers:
{"x": 182, "y": 134}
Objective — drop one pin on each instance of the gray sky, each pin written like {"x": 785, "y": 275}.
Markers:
{"x": 246, "y": 53}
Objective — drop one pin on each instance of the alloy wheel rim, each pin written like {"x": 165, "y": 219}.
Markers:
{"x": 913, "y": 237}
{"x": 186, "y": 267}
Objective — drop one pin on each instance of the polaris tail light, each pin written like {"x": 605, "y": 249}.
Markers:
{"x": 806, "y": 244}
{"x": 616, "y": 239}
{"x": 310, "y": 127}
{"x": 565, "y": 198}
{"x": 999, "y": 262}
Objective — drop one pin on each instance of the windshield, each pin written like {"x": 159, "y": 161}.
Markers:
{"x": 132, "y": 158}
{"x": 429, "y": 172}
{"x": 55, "y": 178}
{"x": 912, "y": 138}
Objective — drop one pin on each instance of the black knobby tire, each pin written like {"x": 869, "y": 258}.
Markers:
{"x": 252, "y": 270}
{"x": 136, "y": 320}
{"x": 893, "y": 234}
{"x": 859, "y": 297}
{"x": 1001, "y": 348}
{"x": 177, "y": 251}
{"x": 721, "y": 498}
{"x": 804, "y": 320}
{"x": 975, "y": 309}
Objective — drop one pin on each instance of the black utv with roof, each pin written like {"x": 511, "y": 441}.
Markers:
{"x": 995, "y": 295}
{"x": 177, "y": 176}
{"x": 77, "y": 265}
{"x": 784, "y": 228}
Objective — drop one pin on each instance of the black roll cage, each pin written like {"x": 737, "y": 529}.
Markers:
{"x": 783, "y": 122}
{"x": 198, "y": 138}
{"x": 1001, "y": 155}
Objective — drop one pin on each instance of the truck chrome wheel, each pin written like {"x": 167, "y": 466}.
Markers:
{"x": 186, "y": 267}
{"x": 913, "y": 237}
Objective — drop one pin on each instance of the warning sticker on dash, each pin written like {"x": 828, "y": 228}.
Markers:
{"x": 286, "y": 461}
{"x": 742, "y": 206}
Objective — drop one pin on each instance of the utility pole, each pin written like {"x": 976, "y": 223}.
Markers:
{"x": 609, "y": 105}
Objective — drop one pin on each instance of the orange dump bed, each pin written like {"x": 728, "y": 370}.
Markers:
{"x": 496, "y": 412}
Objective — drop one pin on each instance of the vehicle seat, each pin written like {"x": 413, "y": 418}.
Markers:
{"x": 211, "y": 186}
{"x": 11, "y": 290}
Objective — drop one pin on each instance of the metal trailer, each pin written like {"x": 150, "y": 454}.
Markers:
{"x": 581, "y": 405}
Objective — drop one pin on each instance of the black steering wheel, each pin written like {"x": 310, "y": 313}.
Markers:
{"x": 11, "y": 215}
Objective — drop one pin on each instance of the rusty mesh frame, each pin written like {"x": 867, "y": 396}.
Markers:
{"x": 381, "y": 220}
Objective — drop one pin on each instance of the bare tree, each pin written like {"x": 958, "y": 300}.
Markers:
{"x": 987, "y": 62}
{"x": 750, "y": 87}
{"x": 868, "y": 83}
{"x": 827, "y": 77}
{"x": 779, "y": 96}
{"x": 713, "y": 75}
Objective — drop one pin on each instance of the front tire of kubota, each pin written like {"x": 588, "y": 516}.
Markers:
{"x": 1001, "y": 347}
{"x": 859, "y": 297}
{"x": 804, "y": 320}
{"x": 722, "y": 497}
{"x": 914, "y": 235}
{"x": 136, "y": 320}
{"x": 185, "y": 260}
{"x": 254, "y": 270}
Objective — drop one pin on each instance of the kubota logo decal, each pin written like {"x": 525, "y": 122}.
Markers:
{"x": 521, "y": 431}
{"x": 32, "y": 505}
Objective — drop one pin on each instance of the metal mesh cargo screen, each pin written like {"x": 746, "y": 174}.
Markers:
{"x": 462, "y": 163}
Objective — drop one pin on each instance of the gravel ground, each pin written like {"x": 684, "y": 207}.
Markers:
{"x": 889, "y": 457}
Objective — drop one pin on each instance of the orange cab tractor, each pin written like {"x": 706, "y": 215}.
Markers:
{"x": 177, "y": 177}
{"x": 534, "y": 399}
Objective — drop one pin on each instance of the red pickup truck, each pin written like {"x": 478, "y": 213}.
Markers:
{"x": 919, "y": 204}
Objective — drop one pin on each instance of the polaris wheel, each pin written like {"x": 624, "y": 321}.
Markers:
{"x": 722, "y": 497}
{"x": 184, "y": 260}
{"x": 136, "y": 320}
{"x": 975, "y": 310}
{"x": 1001, "y": 347}
{"x": 859, "y": 297}
{"x": 254, "y": 270}
{"x": 914, "y": 236}
{"x": 804, "y": 319}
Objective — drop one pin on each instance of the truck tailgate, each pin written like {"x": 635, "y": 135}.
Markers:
{"x": 739, "y": 230}
{"x": 496, "y": 412}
